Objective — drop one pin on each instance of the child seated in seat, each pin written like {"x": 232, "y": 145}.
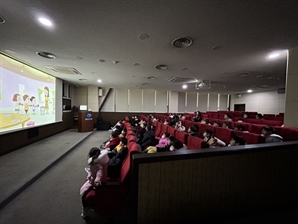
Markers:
{"x": 161, "y": 146}
{"x": 97, "y": 173}
{"x": 212, "y": 140}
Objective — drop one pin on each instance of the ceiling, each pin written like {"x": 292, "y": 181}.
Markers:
{"x": 231, "y": 41}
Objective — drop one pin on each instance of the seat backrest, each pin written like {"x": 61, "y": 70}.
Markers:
{"x": 251, "y": 138}
{"x": 244, "y": 124}
{"x": 224, "y": 134}
{"x": 273, "y": 122}
{"x": 157, "y": 129}
{"x": 196, "y": 143}
{"x": 288, "y": 134}
{"x": 164, "y": 129}
{"x": 257, "y": 128}
{"x": 181, "y": 136}
{"x": 187, "y": 124}
{"x": 126, "y": 165}
{"x": 171, "y": 131}
{"x": 204, "y": 127}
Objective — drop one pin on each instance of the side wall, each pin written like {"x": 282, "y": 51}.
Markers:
{"x": 263, "y": 102}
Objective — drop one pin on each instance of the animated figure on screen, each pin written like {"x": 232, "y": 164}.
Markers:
{"x": 33, "y": 104}
{"x": 46, "y": 99}
{"x": 26, "y": 103}
{"x": 17, "y": 99}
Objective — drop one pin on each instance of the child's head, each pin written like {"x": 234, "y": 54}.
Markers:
{"x": 166, "y": 135}
{"x": 94, "y": 151}
{"x": 123, "y": 141}
{"x": 237, "y": 140}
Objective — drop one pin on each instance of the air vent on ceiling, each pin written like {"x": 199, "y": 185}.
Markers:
{"x": 64, "y": 70}
{"x": 182, "y": 42}
{"x": 203, "y": 84}
{"x": 181, "y": 80}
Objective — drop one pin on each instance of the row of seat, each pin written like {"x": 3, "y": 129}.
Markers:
{"x": 108, "y": 199}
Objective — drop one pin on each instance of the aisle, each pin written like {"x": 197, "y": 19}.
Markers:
{"x": 54, "y": 197}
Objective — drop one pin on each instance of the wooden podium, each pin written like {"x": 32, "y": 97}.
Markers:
{"x": 85, "y": 121}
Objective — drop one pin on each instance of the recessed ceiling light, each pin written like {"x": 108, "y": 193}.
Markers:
{"x": 116, "y": 62}
{"x": 161, "y": 67}
{"x": 249, "y": 91}
{"x": 136, "y": 64}
{"x": 143, "y": 36}
{"x": 132, "y": 76}
{"x": 45, "y": 22}
{"x": 101, "y": 60}
{"x": 184, "y": 86}
{"x": 99, "y": 80}
{"x": 183, "y": 69}
{"x": 151, "y": 77}
{"x": 46, "y": 55}
{"x": 242, "y": 74}
{"x": 271, "y": 77}
{"x": 83, "y": 79}
{"x": 259, "y": 76}
{"x": 79, "y": 58}
{"x": 273, "y": 55}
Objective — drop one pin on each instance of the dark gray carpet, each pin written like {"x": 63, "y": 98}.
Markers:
{"x": 54, "y": 197}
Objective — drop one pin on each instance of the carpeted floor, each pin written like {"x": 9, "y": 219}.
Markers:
{"x": 53, "y": 197}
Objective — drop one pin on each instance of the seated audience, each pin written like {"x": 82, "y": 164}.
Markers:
{"x": 205, "y": 121}
{"x": 259, "y": 116}
{"x": 193, "y": 130}
{"x": 197, "y": 117}
{"x": 116, "y": 159}
{"x": 240, "y": 120}
{"x": 140, "y": 133}
{"x": 228, "y": 117}
{"x": 245, "y": 115}
{"x": 216, "y": 123}
{"x": 174, "y": 119}
{"x": 119, "y": 123}
{"x": 112, "y": 142}
{"x": 166, "y": 122}
{"x": 177, "y": 145}
{"x": 212, "y": 140}
{"x": 238, "y": 127}
{"x": 237, "y": 140}
{"x": 148, "y": 138}
{"x": 226, "y": 125}
{"x": 179, "y": 126}
{"x": 268, "y": 133}
{"x": 161, "y": 146}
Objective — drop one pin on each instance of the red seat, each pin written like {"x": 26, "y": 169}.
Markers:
{"x": 157, "y": 129}
{"x": 187, "y": 124}
{"x": 257, "y": 128}
{"x": 245, "y": 125}
{"x": 181, "y": 136}
{"x": 273, "y": 123}
{"x": 164, "y": 129}
{"x": 204, "y": 127}
{"x": 196, "y": 143}
{"x": 109, "y": 199}
{"x": 288, "y": 134}
{"x": 250, "y": 138}
{"x": 171, "y": 131}
{"x": 224, "y": 134}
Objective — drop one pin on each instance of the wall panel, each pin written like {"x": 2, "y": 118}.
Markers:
{"x": 121, "y": 100}
{"x": 161, "y": 101}
{"x": 148, "y": 101}
{"x": 135, "y": 100}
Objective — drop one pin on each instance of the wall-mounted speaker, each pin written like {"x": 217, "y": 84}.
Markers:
{"x": 99, "y": 92}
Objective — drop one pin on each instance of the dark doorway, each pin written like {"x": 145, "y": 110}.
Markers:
{"x": 239, "y": 107}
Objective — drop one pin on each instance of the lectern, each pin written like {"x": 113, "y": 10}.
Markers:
{"x": 85, "y": 121}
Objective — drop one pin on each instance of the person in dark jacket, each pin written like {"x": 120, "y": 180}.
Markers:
{"x": 198, "y": 117}
{"x": 116, "y": 159}
{"x": 148, "y": 138}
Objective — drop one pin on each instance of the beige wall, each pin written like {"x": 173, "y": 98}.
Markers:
{"x": 264, "y": 102}
{"x": 291, "y": 110}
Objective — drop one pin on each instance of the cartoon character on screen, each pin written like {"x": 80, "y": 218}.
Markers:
{"x": 53, "y": 105}
{"x": 26, "y": 103}
{"x": 33, "y": 104}
{"x": 17, "y": 99}
{"x": 46, "y": 99}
